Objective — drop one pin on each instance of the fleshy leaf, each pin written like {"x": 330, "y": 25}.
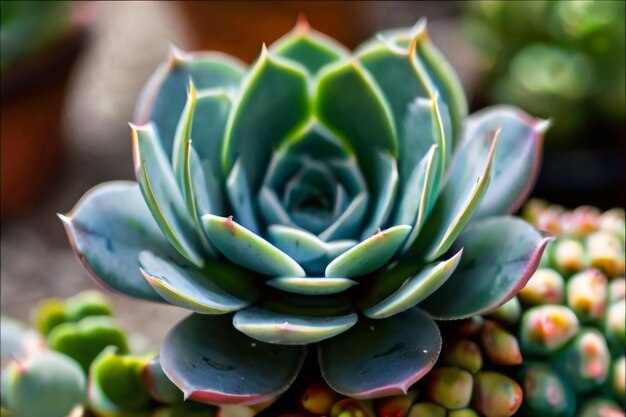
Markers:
{"x": 351, "y": 105}
{"x": 500, "y": 255}
{"x": 108, "y": 228}
{"x": 370, "y": 254}
{"x": 247, "y": 249}
{"x": 273, "y": 100}
{"x": 308, "y": 47}
{"x": 162, "y": 195}
{"x": 457, "y": 201}
{"x": 240, "y": 197}
{"x": 187, "y": 287}
{"x": 18, "y": 340}
{"x": 311, "y": 286}
{"x": 271, "y": 208}
{"x": 287, "y": 329}
{"x": 418, "y": 195}
{"x": 49, "y": 385}
{"x": 392, "y": 355}
{"x": 158, "y": 385}
{"x": 301, "y": 245}
{"x": 387, "y": 184}
{"x": 163, "y": 97}
{"x": 517, "y": 159}
{"x": 347, "y": 225}
{"x": 212, "y": 362}
{"x": 415, "y": 289}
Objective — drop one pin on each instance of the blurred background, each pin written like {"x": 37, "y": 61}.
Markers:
{"x": 71, "y": 73}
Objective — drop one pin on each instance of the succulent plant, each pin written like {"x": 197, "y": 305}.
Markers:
{"x": 570, "y": 318}
{"x": 28, "y": 26}
{"x": 80, "y": 366}
{"x": 558, "y": 59}
{"x": 315, "y": 200}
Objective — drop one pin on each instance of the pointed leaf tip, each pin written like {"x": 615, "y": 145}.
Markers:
{"x": 302, "y": 23}
{"x": 542, "y": 125}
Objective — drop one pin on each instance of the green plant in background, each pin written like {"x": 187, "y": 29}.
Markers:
{"x": 26, "y": 27}
{"x": 559, "y": 59}
{"x": 78, "y": 364}
{"x": 317, "y": 200}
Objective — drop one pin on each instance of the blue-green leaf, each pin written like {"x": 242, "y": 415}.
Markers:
{"x": 249, "y": 250}
{"x": 378, "y": 358}
{"x": 162, "y": 195}
{"x": 158, "y": 384}
{"x": 212, "y": 362}
{"x": 414, "y": 289}
{"x": 465, "y": 186}
{"x": 187, "y": 287}
{"x": 287, "y": 329}
{"x": 241, "y": 198}
{"x": 370, "y": 254}
{"x": 108, "y": 229}
{"x": 309, "y": 47}
{"x": 387, "y": 184}
{"x": 351, "y": 105}
{"x": 310, "y": 285}
{"x": 517, "y": 159}
{"x": 163, "y": 97}
{"x": 274, "y": 100}
{"x": 347, "y": 225}
{"x": 499, "y": 256}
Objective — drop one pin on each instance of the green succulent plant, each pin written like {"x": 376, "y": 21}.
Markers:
{"x": 28, "y": 26}
{"x": 315, "y": 200}
{"x": 559, "y": 59}
{"x": 571, "y": 317}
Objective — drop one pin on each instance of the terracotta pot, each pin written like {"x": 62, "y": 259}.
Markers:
{"x": 32, "y": 97}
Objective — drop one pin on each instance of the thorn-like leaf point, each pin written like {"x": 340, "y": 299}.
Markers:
{"x": 542, "y": 125}
{"x": 302, "y": 23}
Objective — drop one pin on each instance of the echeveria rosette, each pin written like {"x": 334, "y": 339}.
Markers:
{"x": 315, "y": 199}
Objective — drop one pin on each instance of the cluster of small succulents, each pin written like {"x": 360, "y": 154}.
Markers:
{"x": 317, "y": 200}
{"x": 76, "y": 362}
{"x": 571, "y": 315}
{"x": 558, "y": 59}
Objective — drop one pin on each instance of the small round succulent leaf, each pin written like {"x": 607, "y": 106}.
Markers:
{"x": 163, "y": 97}
{"x": 245, "y": 248}
{"x": 212, "y": 362}
{"x": 116, "y": 384}
{"x": 88, "y": 303}
{"x": 288, "y": 329}
{"x": 380, "y": 357}
{"x": 17, "y": 340}
{"x": 496, "y": 395}
{"x": 49, "y": 384}
{"x": 499, "y": 256}
{"x": 370, "y": 254}
{"x": 83, "y": 341}
{"x": 187, "y": 287}
{"x": 545, "y": 392}
{"x": 108, "y": 228}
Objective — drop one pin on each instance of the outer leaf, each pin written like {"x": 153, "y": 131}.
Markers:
{"x": 249, "y": 250}
{"x": 212, "y": 362}
{"x": 516, "y": 162}
{"x": 187, "y": 287}
{"x": 415, "y": 289}
{"x": 392, "y": 355}
{"x": 158, "y": 385}
{"x": 163, "y": 97}
{"x": 162, "y": 195}
{"x": 465, "y": 186}
{"x": 500, "y": 255}
{"x": 287, "y": 329}
{"x": 108, "y": 228}
{"x": 370, "y": 254}
{"x": 274, "y": 100}
{"x": 309, "y": 47}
